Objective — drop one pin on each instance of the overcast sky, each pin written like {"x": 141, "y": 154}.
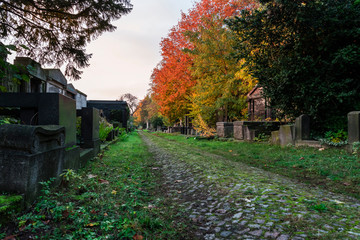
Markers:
{"x": 123, "y": 60}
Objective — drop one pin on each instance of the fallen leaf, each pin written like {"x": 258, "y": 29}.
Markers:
{"x": 230, "y": 150}
{"x": 46, "y": 222}
{"x": 91, "y": 176}
{"x": 138, "y": 237}
{"x": 321, "y": 149}
{"x": 94, "y": 211}
{"x": 346, "y": 184}
{"x": 178, "y": 181}
{"x": 155, "y": 168}
{"x": 302, "y": 158}
{"x": 178, "y": 192}
{"x": 105, "y": 214}
{"x": 113, "y": 192}
{"x": 11, "y": 237}
{"x": 65, "y": 213}
{"x": 102, "y": 181}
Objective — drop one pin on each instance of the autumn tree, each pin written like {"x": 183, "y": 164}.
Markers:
{"x": 173, "y": 79}
{"x": 222, "y": 81}
{"x": 148, "y": 112}
{"x": 57, "y": 32}
{"x": 306, "y": 56}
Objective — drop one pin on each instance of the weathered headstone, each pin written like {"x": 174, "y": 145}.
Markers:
{"x": 353, "y": 126}
{"x": 275, "y": 139}
{"x": 302, "y": 127}
{"x": 286, "y": 135}
{"x": 29, "y": 155}
{"x": 90, "y": 129}
{"x": 225, "y": 129}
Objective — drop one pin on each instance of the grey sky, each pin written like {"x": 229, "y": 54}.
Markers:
{"x": 123, "y": 60}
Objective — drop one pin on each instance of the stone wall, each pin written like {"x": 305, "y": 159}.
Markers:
{"x": 225, "y": 129}
{"x": 248, "y": 130}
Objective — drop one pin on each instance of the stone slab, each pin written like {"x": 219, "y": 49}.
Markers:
{"x": 353, "y": 127}
{"x": 286, "y": 135}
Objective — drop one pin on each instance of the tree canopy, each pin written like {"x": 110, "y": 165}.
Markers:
{"x": 305, "y": 55}
{"x": 196, "y": 72}
{"x": 57, "y": 32}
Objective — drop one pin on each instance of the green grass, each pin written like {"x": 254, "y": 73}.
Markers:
{"x": 332, "y": 169}
{"x": 117, "y": 196}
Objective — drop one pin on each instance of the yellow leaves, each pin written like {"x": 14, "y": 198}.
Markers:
{"x": 114, "y": 192}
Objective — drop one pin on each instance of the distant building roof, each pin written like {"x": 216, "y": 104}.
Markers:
{"x": 255, "y": 93}
{"x": 56, "y": 75}
{"x": 80, "y": 92}
{"x": 35, "y": 70}
{"x": 107, "y": 102}
{"x": 71, "y": 89}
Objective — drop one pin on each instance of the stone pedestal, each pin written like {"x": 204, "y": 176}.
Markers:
{"x": 225, "y": 129}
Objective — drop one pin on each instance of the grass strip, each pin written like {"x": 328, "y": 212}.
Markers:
{"x": 117, "y": 196}
{"x": 332, "y": 169}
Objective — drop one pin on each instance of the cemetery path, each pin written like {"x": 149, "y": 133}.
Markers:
{"x": 224, "y": 199}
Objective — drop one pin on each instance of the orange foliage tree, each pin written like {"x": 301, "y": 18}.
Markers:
{"x": 172, "y": 80}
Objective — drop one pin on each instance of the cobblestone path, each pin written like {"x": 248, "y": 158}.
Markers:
{"x": 229, "y": 200}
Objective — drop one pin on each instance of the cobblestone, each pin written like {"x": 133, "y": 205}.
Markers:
{"x": 252, "y": 203}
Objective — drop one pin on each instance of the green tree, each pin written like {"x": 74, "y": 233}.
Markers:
{"x": 57, "y": 32}
{"x": 306, "y": 56}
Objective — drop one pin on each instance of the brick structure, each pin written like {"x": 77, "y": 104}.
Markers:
{"x": 257, "y": 105}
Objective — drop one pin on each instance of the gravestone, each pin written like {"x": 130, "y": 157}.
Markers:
{"x": 302, "y": 128}
{"x": 353, "y": 127}
{"x": 48, "y": 108}
{"x": 225, "y": 129}
{"x": 29, "y": 155}
{"x": 286, "y": 135}
{"x": 90, "y": 118}
{"x": 275, "y": 139}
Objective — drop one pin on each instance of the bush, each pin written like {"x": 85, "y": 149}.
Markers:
{"x": 104, "y": 129}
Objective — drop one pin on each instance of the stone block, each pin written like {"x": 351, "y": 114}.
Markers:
{"x": 302, "y": 128}
{"x": 90, "y": 118}
{"x": 29, "y": 155}
{"x": 275, "y": 139}
{"x": 225, "y": 129}
{"x": 353, "y": 127}
{"x": 48, "y": 108}
{"x": 286, "y": 135}
{"x": 248, "y": 130}
{"x": 238, "y": 130}
{"x": 249, "y": 133}
{"x": 72, "y": 158}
